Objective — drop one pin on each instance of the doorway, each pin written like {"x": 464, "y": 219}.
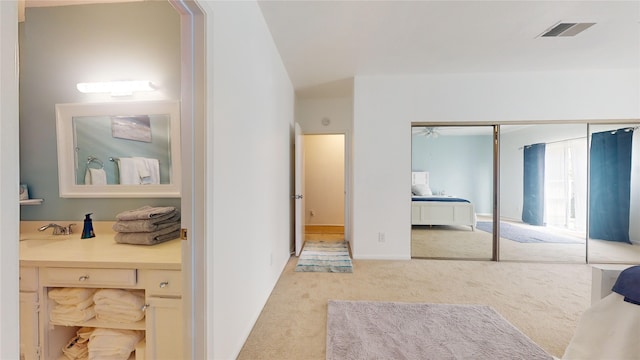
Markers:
{"x": 324, "y": 186}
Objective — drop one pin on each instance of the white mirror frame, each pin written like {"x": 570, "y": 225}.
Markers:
{"x": 67, "y": 156}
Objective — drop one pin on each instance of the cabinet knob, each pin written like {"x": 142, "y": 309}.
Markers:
{"x": 164, "y": 284}
{"x": 83, "y": 278}
{"x": 144, "y": 307}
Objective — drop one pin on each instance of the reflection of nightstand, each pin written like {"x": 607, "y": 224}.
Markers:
{"x": 603, "y": 277}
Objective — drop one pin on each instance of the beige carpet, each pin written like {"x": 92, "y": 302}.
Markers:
{"x": 461, "y": 243}
{"x": 544, "y": 301}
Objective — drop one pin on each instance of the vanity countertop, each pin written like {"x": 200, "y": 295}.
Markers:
{"x": 44, "y": 249}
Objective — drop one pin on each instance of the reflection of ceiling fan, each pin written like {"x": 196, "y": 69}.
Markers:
{"x": 429, "y": 132}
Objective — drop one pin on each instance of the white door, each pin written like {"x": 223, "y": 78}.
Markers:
{"x": 299, "y": 184}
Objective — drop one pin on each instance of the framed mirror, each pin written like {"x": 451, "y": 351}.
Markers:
{"x": 119, "y": 149}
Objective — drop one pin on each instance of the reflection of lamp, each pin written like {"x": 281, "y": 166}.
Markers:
{"x": 116, "y": 88}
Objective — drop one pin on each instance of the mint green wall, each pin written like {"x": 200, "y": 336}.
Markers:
{"x": 61, "y": 46}
{"x": 460, "y": 165}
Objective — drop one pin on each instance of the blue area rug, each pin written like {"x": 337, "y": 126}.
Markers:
{"x": 527, "y": 235}
{"x": 320, "y": 256}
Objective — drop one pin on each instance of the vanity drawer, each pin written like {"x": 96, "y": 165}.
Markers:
{"x": 162, "y": 282}
{"x": 28, "y": 279}
{"x": 89, "y": 277}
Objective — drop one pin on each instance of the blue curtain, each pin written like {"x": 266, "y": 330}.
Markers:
{"x": 533, "y": 191}
{"x": 610, "y": 185}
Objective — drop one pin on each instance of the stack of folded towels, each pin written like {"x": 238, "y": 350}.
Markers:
{"x": 119, "y": 305}
{"x": 147, "y": 225}
{"x": 72, "y": 305}
{"x": 113, "y": 344}
{"x": 77, "y": 348}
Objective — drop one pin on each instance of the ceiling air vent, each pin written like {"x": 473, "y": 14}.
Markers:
{"x": 567, "y": 29}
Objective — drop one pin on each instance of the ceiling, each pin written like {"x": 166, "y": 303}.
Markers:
{"x": 324, "y": 44}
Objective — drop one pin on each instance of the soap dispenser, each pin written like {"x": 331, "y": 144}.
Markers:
{"x": 87, "y": 231}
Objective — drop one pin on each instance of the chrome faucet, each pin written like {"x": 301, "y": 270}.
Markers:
{"x": 57, "y": 229}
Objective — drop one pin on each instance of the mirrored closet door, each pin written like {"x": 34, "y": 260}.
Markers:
{"x": 543, "y": 192}
{"x": 614, "y": 189}
{"x": 452, "y": 192}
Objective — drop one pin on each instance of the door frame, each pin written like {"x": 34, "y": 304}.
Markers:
{"x": 347, "y": 178}
{"x": 193, "y": 156}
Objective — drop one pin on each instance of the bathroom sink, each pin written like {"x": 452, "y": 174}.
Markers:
{"x": 24, "y": 237}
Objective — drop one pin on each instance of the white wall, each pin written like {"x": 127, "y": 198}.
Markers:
{"x": 385, "y": 106}
{"x": 324, "y": 179}
{"x": 250, "y": 103}
{"x": 310, "y": 112}
{"x": 9, "y": 174}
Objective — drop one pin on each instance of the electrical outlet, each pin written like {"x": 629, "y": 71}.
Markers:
{"x": 381, "y": 237}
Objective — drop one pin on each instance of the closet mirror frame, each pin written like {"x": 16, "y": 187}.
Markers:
{"x": 67, "y": 154}
{"x": 589, "y": 257}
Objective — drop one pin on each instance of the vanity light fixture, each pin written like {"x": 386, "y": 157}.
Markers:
{"x": 116, "y": 88}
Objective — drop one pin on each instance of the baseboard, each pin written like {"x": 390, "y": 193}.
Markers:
{"x": 324, "y": 229}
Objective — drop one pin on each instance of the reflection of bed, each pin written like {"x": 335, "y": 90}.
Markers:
{"x": 428, "y": 209}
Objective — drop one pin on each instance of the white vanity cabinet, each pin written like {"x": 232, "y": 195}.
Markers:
{"x": 100, "y": 263}
{"x": 163, "y": 309}
{"x": 163, "y": 292}
{"x": 29, "y": 308}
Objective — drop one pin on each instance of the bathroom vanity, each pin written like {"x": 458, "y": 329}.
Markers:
{"x": 53, "y": 261}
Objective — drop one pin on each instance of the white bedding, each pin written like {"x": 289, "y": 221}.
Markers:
{"x": 439, "y": 212}
{"x": 610, "y": 329}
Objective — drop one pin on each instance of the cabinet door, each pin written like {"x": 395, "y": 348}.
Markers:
{"x": 164, "y": 328}
{"x": 29, "y": 344}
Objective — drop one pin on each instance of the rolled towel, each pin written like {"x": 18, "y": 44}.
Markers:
{"x": 77, "y": 348}
{"x": 146, "y": 225}
{"x": 84, "y": 333}
{"x": 70, "y": 296}
{"x": 147, "y": 212}
{"x": 149, "y": 238}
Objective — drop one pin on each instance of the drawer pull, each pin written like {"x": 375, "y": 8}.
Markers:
{"x": 144, "y": 307}
{"x": 164, "y": 284}
{"x": 83, "y": 278}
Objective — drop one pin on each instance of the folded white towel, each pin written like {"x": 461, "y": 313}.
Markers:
{"x": 139, "y": 170}
{"x": 70, "y": 315}
{"x": 123, "y": 316}
{"x": 148, "y": 169}
{"x": 134, "y": 299}
{"x": 128, "y": 169}
{"x": 70, "y": 296}
{"x": 95, "y": 177}
{"x": 81, "y": 305}
{"x": 113, "y": 344}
